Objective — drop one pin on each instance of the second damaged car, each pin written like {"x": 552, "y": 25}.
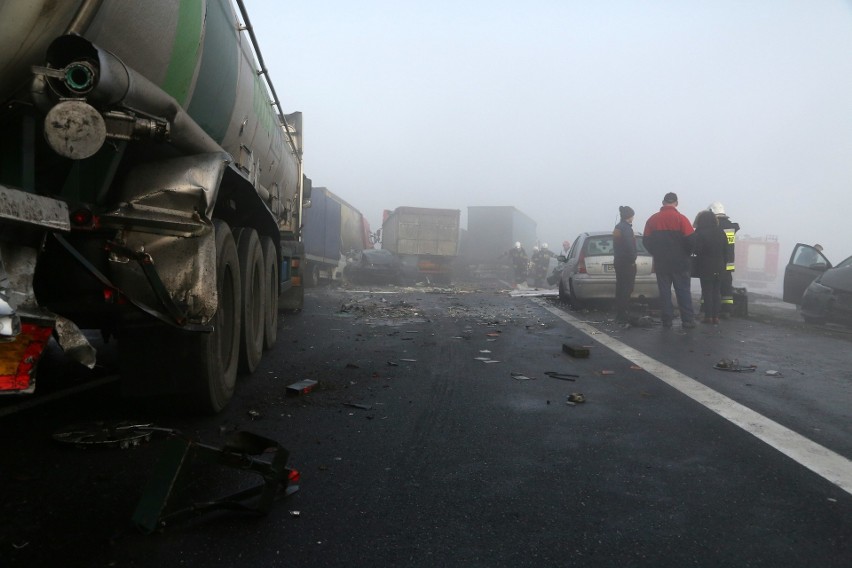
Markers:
{"x": 374, "y": 266}
{"x": 822, "y": 291}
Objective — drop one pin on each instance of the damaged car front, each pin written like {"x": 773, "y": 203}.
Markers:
{"x": 823, "y": 292}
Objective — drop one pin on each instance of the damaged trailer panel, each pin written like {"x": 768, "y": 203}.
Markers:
{"x": 150, "y": 187}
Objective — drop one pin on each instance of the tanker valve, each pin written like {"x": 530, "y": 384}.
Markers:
{"x": 79, "y": 77}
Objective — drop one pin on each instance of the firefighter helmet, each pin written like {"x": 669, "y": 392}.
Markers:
{"x": 518, "y": 244}
{"x": 717, "y": 208}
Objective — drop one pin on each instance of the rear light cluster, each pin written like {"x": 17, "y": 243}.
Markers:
{"x": 83, "y": 218}
{"x": 20, "y": 358}
{"x": 581, "y": 263}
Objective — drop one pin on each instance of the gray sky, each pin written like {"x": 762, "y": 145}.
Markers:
{"x": 567, "y": 109}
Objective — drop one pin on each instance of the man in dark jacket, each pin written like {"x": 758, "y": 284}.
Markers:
{"x": 624, "y": 259}
{"x": 665, "y": 238}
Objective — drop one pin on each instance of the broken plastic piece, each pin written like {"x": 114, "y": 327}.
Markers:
{"x": 576, "y": 397}
{"x": 160, "y": 504}
{"x": 521, "y": 377}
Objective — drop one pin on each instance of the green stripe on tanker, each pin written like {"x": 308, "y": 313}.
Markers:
{"x": 215, "y": 91}
{"x": 185, "y": 51}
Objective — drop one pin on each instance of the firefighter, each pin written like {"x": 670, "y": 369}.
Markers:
{"x": 540, "y": 260}
{"x": 727, "y": 283}
{"x": 520, "y": 263}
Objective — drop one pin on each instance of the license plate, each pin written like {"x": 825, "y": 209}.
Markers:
{"x": 609, "y": 267}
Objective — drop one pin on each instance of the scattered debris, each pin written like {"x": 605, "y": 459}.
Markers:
{"x": 733, "y": 365}
{"x": 771, "y": 373}
{"x": 579, "y": 351}
{"x": 606, "y": 372}
{"x": 636, "y": 367}
{"x": 359, "y": 406}
{"x": 485, "y": 351}
{"x": 99, "y": 434}
{"x": 491, "y": 361}
{"x": 254, "y": 414}
{"x": 392, "y": 364}
{"x": 482, "y": 358}
{"x": 409, "y": 360}
{"x": 352, "y": 366}
{"x": 561, "y": 376}
{"x": 576, "y": 398}
{"x": 521, "y": 377}
{"x": 302, "y": 387}
{"x": 295, "y": 513}
{"x": 493, "y": 334}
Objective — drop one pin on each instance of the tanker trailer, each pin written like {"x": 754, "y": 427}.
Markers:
{"x": 150, "y": 187}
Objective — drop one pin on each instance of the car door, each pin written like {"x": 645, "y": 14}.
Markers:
{"x": 806, "y": 264}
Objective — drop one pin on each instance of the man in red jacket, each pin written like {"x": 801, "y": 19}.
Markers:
{"x": 665, "y": 238}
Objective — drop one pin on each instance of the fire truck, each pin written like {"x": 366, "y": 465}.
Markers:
{"x": 756, "y": 261}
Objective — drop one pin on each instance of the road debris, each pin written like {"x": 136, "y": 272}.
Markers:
{"x": 520, "y": 376}
{"x": 561, "y": 376}
{"x": 733, "y": 365}
{"x": 302, "y": 387}
{"x": 578, "y": 351}
{"x": 359, "y": 406}
{"x": 101, "y": 434}
{"x": 409, "y": 360}
{"x": 254, "y": 414}
{"x": 606, "y": 372}
{"x": 576, "y": 398}
{"x": 771, "y": 373}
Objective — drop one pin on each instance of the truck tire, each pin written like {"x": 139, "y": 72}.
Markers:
{"x": 253, "y": 284}
{"x": 270, "y": 262}
{"x": 190, "y": 371}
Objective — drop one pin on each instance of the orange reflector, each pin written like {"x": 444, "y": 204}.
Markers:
{"x": 18, "y": 358}
{"x": 294, "y": 476}
{"x": 294, "y": 263}
{"x": 296, "y": 280}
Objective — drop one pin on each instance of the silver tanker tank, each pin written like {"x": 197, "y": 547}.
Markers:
{"x": 150, "y": 186}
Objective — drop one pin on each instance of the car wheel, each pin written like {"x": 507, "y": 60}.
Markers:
{"x": 572, "y": 298}
{"x": 563, "y": 296}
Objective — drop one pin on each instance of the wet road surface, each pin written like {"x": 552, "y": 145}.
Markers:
{"x": 419, "y": 447}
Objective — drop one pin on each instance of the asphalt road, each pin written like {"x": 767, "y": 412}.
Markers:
{"x": 415, "y": 451}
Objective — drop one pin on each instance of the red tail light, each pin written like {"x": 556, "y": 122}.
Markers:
{"x": 581, "y": 263}
{"x": 17, "y": 365}
{"x": 294, "y": 476}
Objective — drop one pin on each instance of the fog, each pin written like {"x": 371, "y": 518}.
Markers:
{"x": 567, "y": 109}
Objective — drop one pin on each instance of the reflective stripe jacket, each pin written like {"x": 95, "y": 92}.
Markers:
{"x": 730, "y": 229}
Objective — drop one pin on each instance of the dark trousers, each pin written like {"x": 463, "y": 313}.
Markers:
{"x": 625, "y": 278}
{"x": 681, "y": 282}
{"x": 726, "y": 282}
{"x": 711, "y": 296}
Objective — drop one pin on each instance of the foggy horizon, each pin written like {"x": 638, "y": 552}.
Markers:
{"x": 567, "y": 110}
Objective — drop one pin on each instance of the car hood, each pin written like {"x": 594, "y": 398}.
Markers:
{"x": 837, "y": 278}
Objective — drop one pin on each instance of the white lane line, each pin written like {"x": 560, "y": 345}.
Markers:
{"x": 819, "y": 459}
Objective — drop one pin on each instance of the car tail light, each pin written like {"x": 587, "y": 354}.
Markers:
{"x": 581, "y": 263}
{"x": 20, "y": 357}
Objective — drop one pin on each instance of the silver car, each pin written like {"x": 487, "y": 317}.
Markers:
{"x": 589, "y": 271}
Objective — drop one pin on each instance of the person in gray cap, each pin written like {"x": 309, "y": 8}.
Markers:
{"x": 665, "y": 237}
{"x": 624, "y": 260}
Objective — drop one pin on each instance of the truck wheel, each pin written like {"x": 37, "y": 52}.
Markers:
{"x": 211, "y": 358}
{"x": 189, "y": 371}
{"x": 270, "y": 261}
{"x": 253, "y": 286}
